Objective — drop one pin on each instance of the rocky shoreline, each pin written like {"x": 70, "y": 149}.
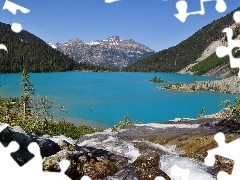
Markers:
{"x": 227, "y": 85}
{"x": 140, "y": 151}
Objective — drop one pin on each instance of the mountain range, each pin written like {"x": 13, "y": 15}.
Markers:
{"x": 112, "y": 52}
{"x": 196, "y": 54}
{"x": 25, "y": 50}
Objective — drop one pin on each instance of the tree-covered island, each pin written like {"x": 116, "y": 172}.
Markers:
{"x": 157, "y": 80}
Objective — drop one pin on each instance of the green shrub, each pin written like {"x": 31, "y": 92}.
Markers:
{"x": 157, "y": 80}
{"x": 126, "y": 121}
{"x": 35, "y": 116}
{"x": 53, "y": 128}
{"x": 235, "y": 109}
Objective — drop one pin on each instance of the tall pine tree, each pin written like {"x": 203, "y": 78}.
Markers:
{"x": 27, "y": 91}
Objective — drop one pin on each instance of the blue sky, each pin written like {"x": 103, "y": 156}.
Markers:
{"x": 150, "y": 22}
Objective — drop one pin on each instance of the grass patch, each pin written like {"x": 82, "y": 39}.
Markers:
{"x": 208, "y": 64}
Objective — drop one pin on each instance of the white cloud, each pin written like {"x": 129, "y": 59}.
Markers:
{"x": 111, "y": 1}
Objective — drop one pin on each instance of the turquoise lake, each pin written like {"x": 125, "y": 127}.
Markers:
{"x": 102, "y": 99}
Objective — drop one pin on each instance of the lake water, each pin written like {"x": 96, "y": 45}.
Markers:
{"x": 102, "y": 99}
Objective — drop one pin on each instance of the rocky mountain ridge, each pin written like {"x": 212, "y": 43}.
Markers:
{"x": 221, "y": 71}
{"x": 196, "y": 54}
{"x": 112, "y": 52}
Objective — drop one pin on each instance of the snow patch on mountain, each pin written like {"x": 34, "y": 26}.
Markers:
{"x": 54, "y": 46}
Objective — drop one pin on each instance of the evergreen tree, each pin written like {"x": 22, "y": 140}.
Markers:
{"x": 27, "y": 91}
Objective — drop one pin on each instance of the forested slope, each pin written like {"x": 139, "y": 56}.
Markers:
{"x": 177, "y": 57}
{"x": 26, "y": 50}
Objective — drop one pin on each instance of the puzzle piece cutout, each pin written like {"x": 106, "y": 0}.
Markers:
{"x": 2, "y": 46}
{"x": 182, "y": 7}
{"x": 159, "y": 178}
{"x": 16, "y": 27}
{"x": 12, "y": 7}
{"x": 222, "y": 51}
{"x": 236, "y": 16}
{"x": 227, "y": 150}
{"x": 177, "y": 171}
{"x": 86, "y": 178}
{"x": 6, "y": 168}
{"x": 32, "y": 169}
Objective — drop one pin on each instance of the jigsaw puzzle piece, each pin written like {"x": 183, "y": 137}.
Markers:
{"x": 35, "y": 164}
{"x": 16, "y": 27}
{"x": 64, "y": 164}
{"x": 2, "y": 46}
{"x": 224, "y": 176}
{"x": 182, "y": 6}
{"x": 221, "y": 6}
{"x": 54, "y": 175}
{"x": 227, "y": 150}
{"x": 7, "y": 163}
{"x": 177, "y": 171}
{"x": 210, "y": 159}
{"x": 157, "y": 178}
{"x": 4, "y": 126}
{"x": 12, "y": 7}
{"x": 88, "y": 178}
{"x": 5, "y": 152}
{"x": 222, "y": 51}
{"x": 236, "y": 16}
{"x": 222, "y": 147}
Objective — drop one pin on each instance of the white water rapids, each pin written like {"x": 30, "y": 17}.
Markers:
{"x": 113, "y": 144}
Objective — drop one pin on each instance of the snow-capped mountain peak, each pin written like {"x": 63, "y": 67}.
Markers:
{"x": 111, "y": 52}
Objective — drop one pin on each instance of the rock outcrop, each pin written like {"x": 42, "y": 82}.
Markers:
{"x": 175, "y": 140}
